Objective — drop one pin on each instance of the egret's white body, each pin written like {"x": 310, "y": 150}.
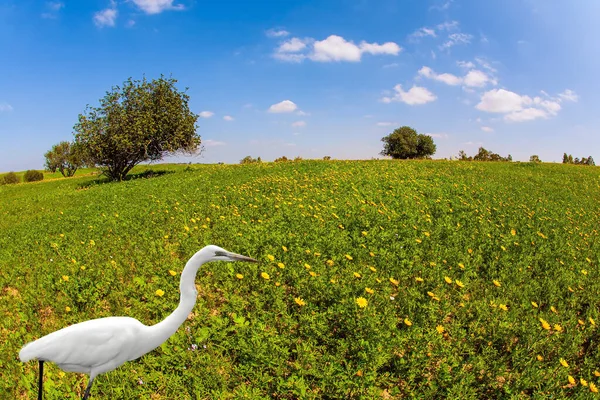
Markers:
{"x": 101, "y": 345}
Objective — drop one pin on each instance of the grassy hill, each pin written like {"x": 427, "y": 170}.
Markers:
{"x": 378, "y": 279}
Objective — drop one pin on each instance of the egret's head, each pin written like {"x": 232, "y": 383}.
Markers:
{"x": 216, "y": 253}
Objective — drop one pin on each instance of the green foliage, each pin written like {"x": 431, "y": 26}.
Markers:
{"x": 281, "y": 159}
{"x": 65, "y": 157}
{"x": 584, "y": 160}
{"x": 327, "y": 158}
{"x": 140, "y": 121}
{"x": 32, "y": 175}
{"x": 463, "y": 261}
{"x": 10, "y": 179}
{"x": 483, "y": 155}
{"x": 535, "y": 159}
{"x": 405, "y": 143}
{"x": 250, "y": 160}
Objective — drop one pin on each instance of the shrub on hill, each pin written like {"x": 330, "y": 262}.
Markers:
{"x": 10, "y": 178}
{"x": 32, "y": 175}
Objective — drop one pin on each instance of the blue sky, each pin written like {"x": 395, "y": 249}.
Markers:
{"x": 313, "y": 78}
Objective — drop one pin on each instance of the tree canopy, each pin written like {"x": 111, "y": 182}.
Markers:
{"x": 64, "y": 157}
{"x": 406, "y": 143}
{"x": 140, "y": 121}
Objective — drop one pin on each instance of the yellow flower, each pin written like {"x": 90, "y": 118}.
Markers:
{"x": 596, "y": 373}
{"x": 239, "y": 276}
{"x": 459, "y": 284}
{"x": 281, "y": 265}
{"x": 496, "y": 283}
{"x": 160, "y": 292}
{"x": 407, "y": 322}
{"x": 513, "y": 232}
{"x": 394, "y": 282}
{"x": 317, "y": 254}
{"x": 306, "y": 266}
{"x": 553, "y": 309}
{"x": 440, "y": 329}
{"x": 592, "y": 321}
{"x": 300, "y": 301}
{"x": 558, "y": 328}
{"x": 503, "y": 307}
{"x": 419, "y": 279}
{"x": 270, "y": 257}
{"x": 65, "y": 278}
{"x": 571, "y": 380}
{"x": 540, "y": 358}
{"x": 583, "y": 382}
{"x": 348, "y": 257}
{"x": 534, "y": 304}
{"x": 68, "y": 309}
{"x": 545, "y": 324}
{"x": 369, "y": 290}
{"x": 372, "y": 254}
{"x": 418, "y": 240}
{"x": 284, "y": 248}
{"x": 265, "y": 275}
{"x": 364, "y": 233}
{"x": 461, "y": 265}
{"x": 448, "y": 280}
{"x": 373, "y": 269}
{"x": 426, "y": 234}
{"x": 187, "y": 228}
{"x": 173, "y": 273}
{"x": 564, "y": 363}
{"x": 312, "y": 273}
{"x": 470, "y": 251}
{"x": 356, "y": 275}
{"x": 362, "y": 302}
{"x": 593, "y": 388}
{"x": 330, "y": 263}
{"x": 430, "y": 294}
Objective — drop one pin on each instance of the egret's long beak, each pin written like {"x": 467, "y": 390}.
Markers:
{"x": 238, "y": 257}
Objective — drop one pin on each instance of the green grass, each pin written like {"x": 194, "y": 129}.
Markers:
{"x": 465, "y": 262}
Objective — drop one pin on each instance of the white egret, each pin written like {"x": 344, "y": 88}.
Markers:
{"x": 101, "y": 345}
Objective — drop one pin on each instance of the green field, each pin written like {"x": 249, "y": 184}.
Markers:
{"x": 480, "y": 280}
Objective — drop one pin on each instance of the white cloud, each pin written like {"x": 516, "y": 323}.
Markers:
{"x": 502, "y": 101}
{"x": 5, "y": 107}
{"x": 448, "y": 26}
{"x": 212, "y": 143}
{"x": 569, "y": 95}
{"x": 438, "y": 135}
{"x": 299, "y": 124}
{"x": 432, "y": 31}
{"x": 157, "y": 6}
{"x": 333, "y": 48}
{"x": 476, "y": 78}
{"x": 275, "y": 33}
{"x": 228, "y": 118}
{"x": 284, "y": 106}
{"x": 302, "y": 113}
{"x": 206, "y": 114}
{"x": 385, "y": 123}
{"x": 526, "y": 114}
{"x": 518, "y": 108}
{"x": 465, "y": 64}
{"x": 485, "y": 64}
{"x": 448, "y": 79}
{"x": 442, "y": 6}
{"x": 293, "y": 45}
{"x": 456, "y": 38}
{"x": 423, "y": 32}
{"x": 487, "y": 129}
{"x": 416, "y": 95}
{"x": 105, "y": 17}
{"x": 53, "y": 8}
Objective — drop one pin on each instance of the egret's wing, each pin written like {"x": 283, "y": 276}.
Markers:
{"x": 87, "y": 344}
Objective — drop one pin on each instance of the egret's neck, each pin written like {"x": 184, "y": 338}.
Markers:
{"x": 167, "y": 327}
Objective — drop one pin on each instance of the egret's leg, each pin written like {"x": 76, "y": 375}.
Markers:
{"x": 86, "y": 395}
{"x": 41, "y": 381}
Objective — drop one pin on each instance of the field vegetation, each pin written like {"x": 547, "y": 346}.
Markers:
{"x": 378, "y": 279}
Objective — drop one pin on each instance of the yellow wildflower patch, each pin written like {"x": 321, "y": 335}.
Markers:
{"x": 362, "y": 302}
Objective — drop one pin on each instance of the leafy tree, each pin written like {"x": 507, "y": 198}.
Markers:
{"x": 535, "y": 158}
{"x": 570, "y": 159}
{"x": 462, "y": 155}
{"x": 405, "y": 143}
{"x": 590, "y": 161}
{"x": 281, "y": 159}
{"x": 250, "y": 160}
{"x": 65, "y": 157}
{"x": 140, "y": 121}
{"x": 565, "y": 158}
{"x": 327, "y": 158}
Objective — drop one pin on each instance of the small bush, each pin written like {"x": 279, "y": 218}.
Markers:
{"x": 282, "y": 159}
{"x": 32, "y": 175}
{"x": 10, "y": 179}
